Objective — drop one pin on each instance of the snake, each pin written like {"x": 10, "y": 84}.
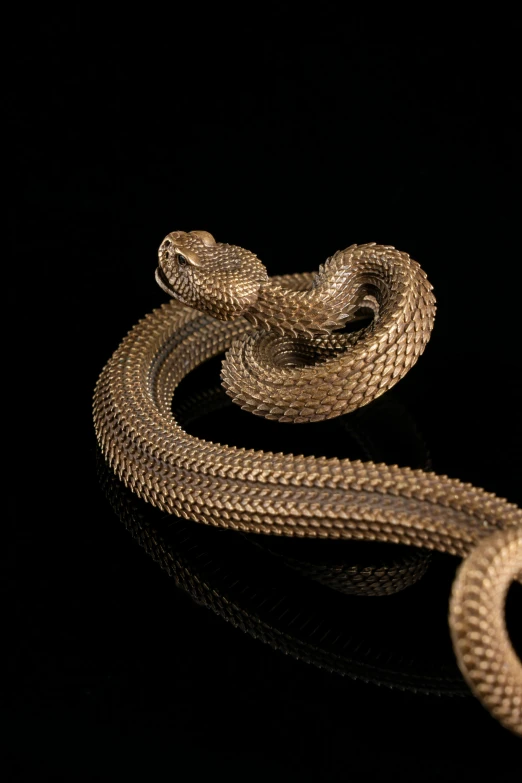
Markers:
{"x": 303, "y": 348}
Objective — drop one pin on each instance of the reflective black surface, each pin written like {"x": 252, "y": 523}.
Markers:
{"x": 121, "y": 664}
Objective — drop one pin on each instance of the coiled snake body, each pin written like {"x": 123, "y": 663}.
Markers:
{"x": 286, "y": 360}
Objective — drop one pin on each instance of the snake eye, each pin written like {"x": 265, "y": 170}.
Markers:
{"x": 182, "y": 261}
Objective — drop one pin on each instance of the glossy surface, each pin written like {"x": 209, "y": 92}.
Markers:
{"x": 332, "y": 129}
{"x": 119, "y": 665}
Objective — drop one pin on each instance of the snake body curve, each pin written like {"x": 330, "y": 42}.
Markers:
{"x": 286, "y": 360}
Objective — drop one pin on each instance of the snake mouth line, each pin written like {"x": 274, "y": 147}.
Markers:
{"x": 163, "y": 283}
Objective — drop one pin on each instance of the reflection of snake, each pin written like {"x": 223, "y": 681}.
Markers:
{"x": 293, "y": 369}
{"x": 250, "y": 589}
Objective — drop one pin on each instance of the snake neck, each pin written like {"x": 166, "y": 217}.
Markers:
{"x": 353, "y": 283}
{"x": 290, "y": 372}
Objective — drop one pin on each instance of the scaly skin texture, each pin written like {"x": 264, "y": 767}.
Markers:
{"x": 294, "y": 371}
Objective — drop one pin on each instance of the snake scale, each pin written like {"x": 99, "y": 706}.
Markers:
{"x": 288, "y": 359}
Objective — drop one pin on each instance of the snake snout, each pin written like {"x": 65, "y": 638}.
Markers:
{"x": 165, "y": 249}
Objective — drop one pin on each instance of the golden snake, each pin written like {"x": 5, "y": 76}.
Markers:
{"x": 287, "y": 360}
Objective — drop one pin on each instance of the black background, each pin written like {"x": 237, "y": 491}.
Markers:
{"x": 293, "y": 135}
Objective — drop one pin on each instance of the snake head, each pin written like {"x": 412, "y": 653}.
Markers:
{"x": 218, "y": 279}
